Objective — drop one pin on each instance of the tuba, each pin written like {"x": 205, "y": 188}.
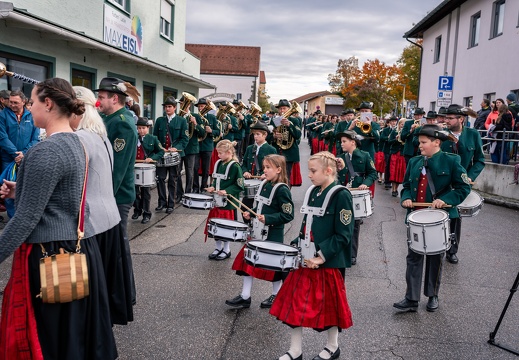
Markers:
{"x": 208, "y": 107}
{"x": 287, "y": 140}
{"x": 185, "y": 103}
{"x": 222, "y": 115}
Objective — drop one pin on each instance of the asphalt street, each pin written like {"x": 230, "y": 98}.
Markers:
{"x": 181, "y": 311}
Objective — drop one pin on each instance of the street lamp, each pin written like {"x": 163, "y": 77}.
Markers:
{"x": 403, "y": 102}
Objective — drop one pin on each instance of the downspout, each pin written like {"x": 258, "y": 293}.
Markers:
{"x": 419, "y": 71}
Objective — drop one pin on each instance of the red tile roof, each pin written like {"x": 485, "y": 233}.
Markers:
{"x": 311, "y": 96}
{"x": 227, "y": 59}
{"x": 263, "y": 78}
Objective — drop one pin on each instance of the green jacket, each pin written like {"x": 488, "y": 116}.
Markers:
{"x": 122, "y": 133}
{"x": 363, "y": 165}
{"x": 383, "y": 144}
{"x": 340, "y": 127}
{"x": 408, "y": 137}
{"x": 233, "y": 131}
{"x": 292, "y": 154}
{"x": 178, "y": 131}
{"x": 152, "y": 147}
{"x": 192, "y": 146}
{"x": 370, "y": 140}
{"x": 279, "y": 212}
{"x": 208, "y": 144}
{"x": 234, "y": 184}
{"x": 450, "y": 180}
{"x": 248, "y": 158}
{"x": 395, "y": 146}
{"x": 333, "y": 231}
{"x": 470, "y": 150}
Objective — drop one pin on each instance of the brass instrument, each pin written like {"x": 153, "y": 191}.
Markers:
{"x": 185, "y": 103}
{"x": 365, "y": 127}
{"x": 220, "y": 127}
{"x": 222, "y": 115}
{"x": 255, "y": 109}
{"x": 208, "y": 107}
{"x": 240, "y": 110}
{"x": 287, "y": 140}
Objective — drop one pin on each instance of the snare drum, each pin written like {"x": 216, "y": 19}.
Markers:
{"x": 270, "y": 255}
{"x": 428, "y": 231}
{"x": 169, "y": 159}
{"x": 144, "y": 174}
{"x": 197, "y": 201}
{"x": 362, "y": 207}
{"x": 251, "y": 188}
{"x": 227, "y": 230}
{"x": 471, "y": 205}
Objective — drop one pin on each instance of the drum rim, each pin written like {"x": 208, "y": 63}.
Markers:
{"x": 359, "y": 192}
{"x": 268, "y": 267}
{"x": 243, "y": 226}
{"x": 290, "y": 249}
{"x": 144, "y": 166}
{"x": 187, "y": 196}
{"x": 445, "y": 214}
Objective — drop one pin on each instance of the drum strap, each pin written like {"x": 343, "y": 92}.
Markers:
{"x": 430, "y": 182}
{"x": 259, "y": 201}
{"x": 256, "y": 163}
{"x": 220, "y": 177}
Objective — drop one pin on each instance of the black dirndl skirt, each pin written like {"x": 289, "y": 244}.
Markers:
{"x": 80, "y": 329}
{"x": 117, "y": 273}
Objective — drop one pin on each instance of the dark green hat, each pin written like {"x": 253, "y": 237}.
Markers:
{"x": 435, "y": 131}
{"x": 454, "y": 109}
{"x": 201, "y": 101}
{"x": 431, "y": 115}
{"x": 350, "y": 134}
{"x": 170, "y": 100}
{"x": 364, "y": 105}
{"x": 348, "y": 111}
{"x": 111, "y": 84}
{"x": 260, "y": 125}
{"x": 419, "y": 111}
{"x": 142, "y": 121}
{"x": 283, "y": 102}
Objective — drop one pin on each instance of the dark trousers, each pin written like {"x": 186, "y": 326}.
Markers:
{"x": 407, "y": 158}
{"x": 289, "y": 169}
{"x": 189, "y": 166}
{"x": 142, "y": 201}
{"x": 124, "y": 209}
{"x": 172, "y": 173}
{"x": 355, "y": 242}
{"x": 455, "y": 228}
{"x": 387, "y": 158}
{"x": 238, "y": 148}
{"x": 205, "y": 156}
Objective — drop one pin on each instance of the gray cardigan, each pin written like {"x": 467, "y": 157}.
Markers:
{"x": 104, "y": 214}
{"x": 48, "y": 194}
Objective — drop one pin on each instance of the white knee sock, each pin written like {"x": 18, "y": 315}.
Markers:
{"x": 247, "y": 286}
{"x": 226, "y": 246}
{"x": 276, "y": 285}
{"x": 218, "y": 245}
{"x": 332, "y": 344}
{"x": 296, "y": 343}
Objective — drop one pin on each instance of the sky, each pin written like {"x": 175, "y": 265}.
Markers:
{"x": 302, "y": 40}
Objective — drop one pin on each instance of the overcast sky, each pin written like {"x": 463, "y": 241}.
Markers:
{"x": 302, "y": 40}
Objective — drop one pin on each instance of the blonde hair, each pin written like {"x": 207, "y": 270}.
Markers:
{"x": 401, "y": 121}
{"x": 278, "y": 161}
{"x": 226, "y": 145}
{"x": 91, "y": 120}
{"x": 327, "y": 160}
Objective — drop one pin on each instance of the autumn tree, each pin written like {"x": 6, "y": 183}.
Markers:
{"x": 409, "y": 64}
{"x": 347, "y": 72}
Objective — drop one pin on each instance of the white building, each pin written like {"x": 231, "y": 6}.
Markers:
{"x": 476, "y": 42}
{"x": 142, "y": 42}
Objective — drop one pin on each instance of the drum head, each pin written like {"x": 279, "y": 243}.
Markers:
{"x": 472, "y": 200}
{"x": 144, "y": 166}
{"x": 229, "y": 224}
{"x": 200, "y": 197}
{"x": 272, "y": 246}
{"x": 252, "y": 182}
{"x": 427, "y": 216}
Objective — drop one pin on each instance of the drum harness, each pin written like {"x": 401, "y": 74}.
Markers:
{"x": 305, "y": 244}
{"x": 351, "y": 172}
{"x": 219, "y": 199}
{"x": 259, "y": 201}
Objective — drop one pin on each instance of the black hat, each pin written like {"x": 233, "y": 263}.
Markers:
{"x": 283, "y": 102}
{"x": 201, "y": 101}
{"x": 259, "y": 125}
{"x": 4, "y": 94}
{"x": 419, "y": 111}
{"x": 435, "y": 131}
{"x": 364, "y": 105}
{"x": 348, "y": 111}
{"x": 170, "y": 100}
{"x": 236, "y": 102}
{"x": 442, "y": 111}
{"x": 431, "y": 115}
{"x": 142, "y": 121}
{"x": 393, "y": 117}
{"x": 112, "y": 84}
{"x": 350, "y": 134}
{"x": 454, "y": 109}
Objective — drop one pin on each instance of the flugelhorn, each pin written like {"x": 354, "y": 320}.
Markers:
{"x": 25, "y": 79}
{"x": 287, "y": 140}
{"x": 208, "y": 107}
{"x": 185, "y": 103}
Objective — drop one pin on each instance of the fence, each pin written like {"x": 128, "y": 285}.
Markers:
{"x": 508, "y": 144}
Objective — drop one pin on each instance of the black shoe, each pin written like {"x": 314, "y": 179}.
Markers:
{"x": 160, "y": 207}
{"x": 394, "y": 193}
{"x": 223, "y": 255}
{"x": 452, "y": 258}
{"x": 406, "y": 305}
{"x": 354, "y": 261}
{"x": 169, "y": 210}
{"x": 333, "y": 355}
{"x": 135, "y": 216}
{"x": 300, "y": 357}
{"x": 145, "y": 220}
{"x": 238, "y": 302}
{"x": 266, "y": 304}
{"x": 432, "y": 304}
{"x": 214, "y": 254}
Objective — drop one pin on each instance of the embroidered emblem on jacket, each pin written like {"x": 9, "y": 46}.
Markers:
{"x": 287, "y": 208}
{"x": 345, "y": 216}
{"x": 119, "y": 144}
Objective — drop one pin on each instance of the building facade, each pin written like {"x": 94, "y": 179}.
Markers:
{"x": 472, "y": 44}
{"x": 142, "y": 42}
{"x": 325, "y": 101}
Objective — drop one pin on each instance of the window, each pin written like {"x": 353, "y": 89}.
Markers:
{"x": 498, "y": 18}
{"x": 148, "y": 101}
{"x": 32, "y": 68}
{"x": 475, "y": 23}
{"x": 490, "y": 96}
{"x": 121, "y": 4}
{"x": 167, "y": 14}
{"x": 437, "y": 48}
{"x": 83, "y": 76}
{"x": 432, "y": 106}
{"x": 467, "y": 101}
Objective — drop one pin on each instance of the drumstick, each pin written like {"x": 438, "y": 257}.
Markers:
{"x": 255, "y": 177}
{"x": 428, "y": 204}
{"x": 236, "y": 206}
{"x": 242, "y": 204}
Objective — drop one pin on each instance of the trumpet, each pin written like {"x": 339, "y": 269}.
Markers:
{"x": 210, "y": 106}
{"x": 364, "y": 127}
{"x": 286, "y": 140}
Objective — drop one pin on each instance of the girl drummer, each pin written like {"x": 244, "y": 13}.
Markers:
{"x": 314, "y": 296}
{"x": 227, "y": 179}
{"x": 275, "y": 216}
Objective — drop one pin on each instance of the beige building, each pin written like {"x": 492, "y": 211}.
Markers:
{"x": 325, "y": 101}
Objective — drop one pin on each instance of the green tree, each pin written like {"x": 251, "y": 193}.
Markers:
{"x": 409, "y": 64}
{"x": 347, "y": 72}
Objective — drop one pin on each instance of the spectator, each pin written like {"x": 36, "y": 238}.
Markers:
{"x": 503, "y": 122}
{"x": 491, "y": 118}
{"x": 4, "y": 99}
{"x": 513, "y": 106}
{"x": 28, "y": 104}
{"x": 479, "y": 123}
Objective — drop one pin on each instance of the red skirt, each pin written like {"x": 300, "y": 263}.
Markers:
{"x": 313, "y": 298}
{"x": 19, "y": 339}
{"x": 397, "y": 168}
{"x": 295, "y": 175}
{"x": 217, "y": 212}
{"x": 242, "y": 268}
{"x": 380, "y": 162}
{"x": 214, "y": 159}
{"x": 322, "y": 145}
{"x": 315, "y": 145}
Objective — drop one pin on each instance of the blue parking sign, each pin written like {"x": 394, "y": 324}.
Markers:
{"x": 445, "y": 83}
